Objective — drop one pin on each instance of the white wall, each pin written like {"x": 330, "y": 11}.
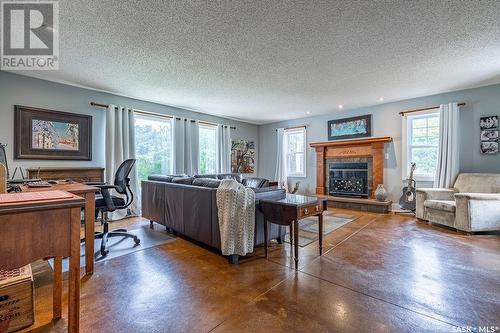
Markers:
{"x": 387, "y": 122}
{"x": 22, "y": 90}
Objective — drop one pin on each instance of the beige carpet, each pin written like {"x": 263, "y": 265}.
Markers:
{"x": 119, "y": 246}
{"x": 308, "y": 227}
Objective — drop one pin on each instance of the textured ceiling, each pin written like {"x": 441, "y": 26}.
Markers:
{"x": 263, "y": 61}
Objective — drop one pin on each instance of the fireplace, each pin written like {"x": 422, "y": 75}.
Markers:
{"x": 370, "y": 151}
{"x": 348, "y": 179}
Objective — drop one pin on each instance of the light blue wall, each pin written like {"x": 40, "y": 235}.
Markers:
{"x": 387, "y": 122}
{"x": 22, "y": 90}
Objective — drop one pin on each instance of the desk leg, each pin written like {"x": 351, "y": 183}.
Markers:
{"x": 57, "y": 289}
{"x": 74, "y": 273}
{"x": 291, "y": 239}
{"x": 320, "y": 229}
{"x": 265, "y": 237}
{"x": 89, "y": 232}
{"x": 296, "y": 243}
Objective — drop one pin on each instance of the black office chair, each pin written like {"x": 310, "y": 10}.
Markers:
{"x": 105, "y": 203}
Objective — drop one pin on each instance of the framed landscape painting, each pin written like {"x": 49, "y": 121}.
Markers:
{"x": 350, "y": 128}
{"x": 51, "y": 135}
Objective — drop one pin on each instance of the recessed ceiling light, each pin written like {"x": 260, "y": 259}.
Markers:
{"x": 380, "y": 99}
{"x": 341, "y": 106}
{"x": 308, "y": 112}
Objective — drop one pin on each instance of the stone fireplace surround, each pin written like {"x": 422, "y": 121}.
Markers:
{"x": 371, "y": 149}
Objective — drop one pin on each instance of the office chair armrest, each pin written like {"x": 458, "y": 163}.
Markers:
{"x": 105, "y": 186}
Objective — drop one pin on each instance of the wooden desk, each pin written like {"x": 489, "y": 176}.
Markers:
{"x": 35, "y": 230}
{"x": 88, "y": 193}
{"x": 288, "y": 211}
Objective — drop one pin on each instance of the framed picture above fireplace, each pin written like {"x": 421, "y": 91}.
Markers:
{"x": 51, "y": 135}
{"x": 350, "y": 128}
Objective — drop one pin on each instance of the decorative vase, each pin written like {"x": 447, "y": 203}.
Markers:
{"x": 380, "y": 193}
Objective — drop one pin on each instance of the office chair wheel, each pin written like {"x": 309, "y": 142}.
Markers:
{"x": 104, "y": 253}
{"x": 137, "y": 240}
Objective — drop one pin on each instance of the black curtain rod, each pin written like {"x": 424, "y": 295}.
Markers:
{"x": 293, "y": 127}
{"x": 152, "y": 113}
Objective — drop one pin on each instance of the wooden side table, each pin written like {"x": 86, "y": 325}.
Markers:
{"x": 288, "y": 211}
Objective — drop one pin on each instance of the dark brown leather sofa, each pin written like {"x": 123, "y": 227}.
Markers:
{"x": 188, "y": 206}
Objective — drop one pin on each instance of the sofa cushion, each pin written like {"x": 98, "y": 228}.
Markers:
{"x": 255, "y": 182}
{"x": 212, "y": 176}
{"x": 183, "y": 180}
{"x": 207, "y": 182}
{"x": 161, "y": 178}
{"x": 236, "y": 176}
{"x": 446, "y": 205}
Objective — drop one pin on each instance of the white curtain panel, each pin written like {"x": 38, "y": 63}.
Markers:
{"x": 186, "y": 146}
{"x": 224, "y": 149}
{"x": 281, "y": 172}
{"x": 120, "y": 145}
{"x": 448, "y": 164}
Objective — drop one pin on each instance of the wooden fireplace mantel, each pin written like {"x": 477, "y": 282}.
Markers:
{"x": 371, "y": 147}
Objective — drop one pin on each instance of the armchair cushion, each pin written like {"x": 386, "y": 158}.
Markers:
{"x": 446, "y": 205}
{"x": 436, "y": 193}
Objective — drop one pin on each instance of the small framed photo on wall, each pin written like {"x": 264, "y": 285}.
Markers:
{"x": 489, "y": 135}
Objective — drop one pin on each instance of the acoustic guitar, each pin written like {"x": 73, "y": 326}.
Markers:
{"x": 408, "y": 199}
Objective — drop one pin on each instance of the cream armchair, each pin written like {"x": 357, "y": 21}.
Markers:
{"x": 473, "y": 204}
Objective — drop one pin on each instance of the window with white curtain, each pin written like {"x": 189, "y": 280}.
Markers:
{"x": 295, "y": 148}
{"x": 153, "y": 145}
{"x": 208, "y": 148}
{"x": 422, "y": 144}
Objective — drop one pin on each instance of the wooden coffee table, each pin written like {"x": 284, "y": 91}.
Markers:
{"x": 288, "y": 211}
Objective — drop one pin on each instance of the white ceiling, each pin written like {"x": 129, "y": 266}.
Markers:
{"x": 264, "y": 61}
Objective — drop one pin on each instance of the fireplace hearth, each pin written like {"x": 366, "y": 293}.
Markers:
{"x": 348, "y": 179}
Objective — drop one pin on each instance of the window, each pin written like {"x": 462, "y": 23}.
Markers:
{"x": 208, "y": 149}
{"x": 422, "y": 144}
{"x": 295, "y": 147}
{"x": 153, "y": 145}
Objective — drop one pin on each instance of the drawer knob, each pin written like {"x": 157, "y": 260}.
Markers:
{"x": 306, "y": 211}
{"x": 317, "y": 208}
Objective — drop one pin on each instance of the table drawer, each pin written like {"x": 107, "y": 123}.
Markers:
{"x": 310, "y": 210}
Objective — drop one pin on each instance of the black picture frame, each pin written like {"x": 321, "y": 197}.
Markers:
{"x": 368, "y": 132}
{"x": 23, "y": 134}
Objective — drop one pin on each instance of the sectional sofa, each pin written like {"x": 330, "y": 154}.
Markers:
{"x": 188, "y": 206}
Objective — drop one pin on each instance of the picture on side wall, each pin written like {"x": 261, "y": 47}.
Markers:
{"x": 243, "y": 156}
{"x": 51, "y": 135}
{"x": 488, "y": 122}
{"x": 350, "y": 128}
{"x": 489, "y": 135}
{"x": 489, "y": 148}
